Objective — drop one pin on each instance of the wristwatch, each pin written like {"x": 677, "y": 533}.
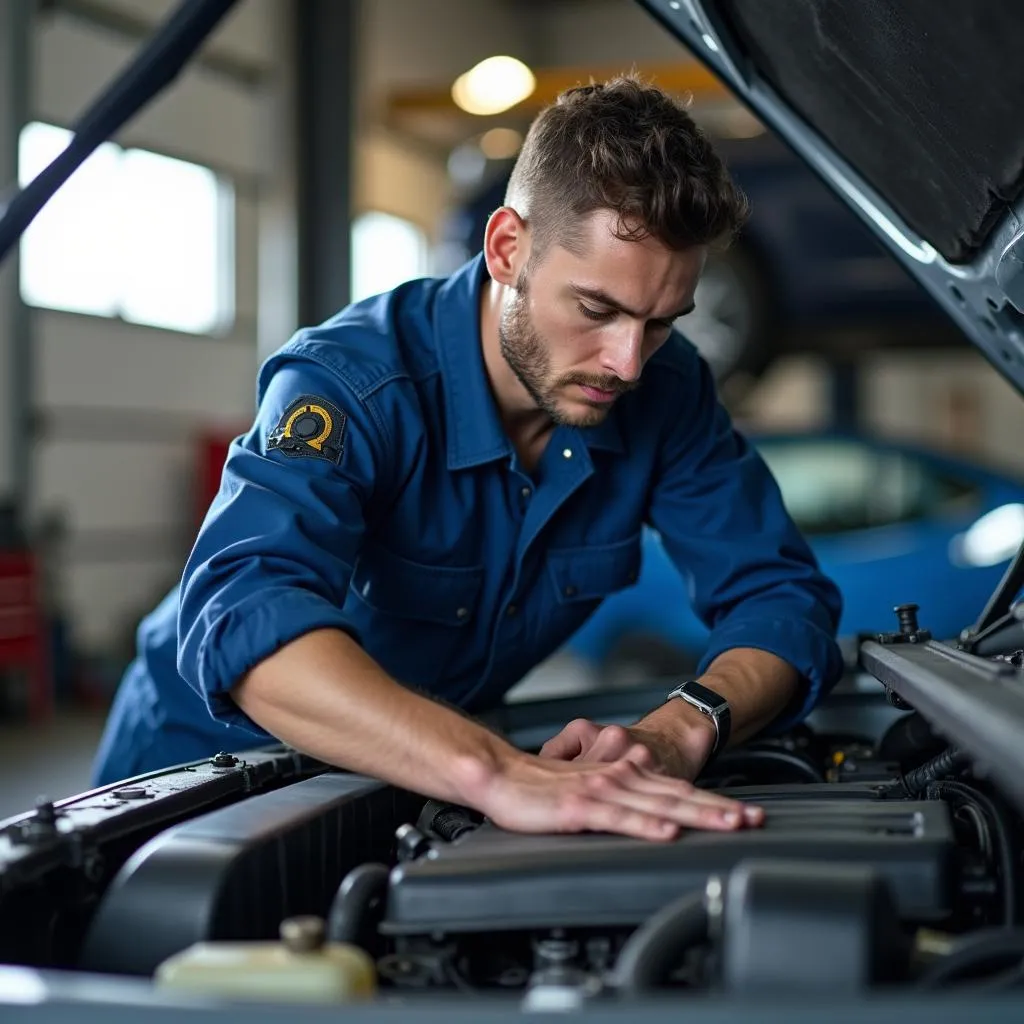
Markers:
{"x": 709, "y": 703}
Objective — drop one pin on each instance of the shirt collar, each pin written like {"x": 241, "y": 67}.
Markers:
{"x": 475, "y": 432}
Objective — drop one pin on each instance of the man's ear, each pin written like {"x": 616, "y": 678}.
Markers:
{"x": 506, "y": 246}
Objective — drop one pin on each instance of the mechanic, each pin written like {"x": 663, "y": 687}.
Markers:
{"x": 442, "y": 482}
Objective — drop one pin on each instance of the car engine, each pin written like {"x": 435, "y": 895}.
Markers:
{"x": 858, "y": 872}
{"x": 886, "y": 861}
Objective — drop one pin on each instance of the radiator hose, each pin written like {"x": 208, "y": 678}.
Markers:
{"x": 657, "y": 946}
{"x": 356, "y": 903}
{"x": 1001, "y": 831}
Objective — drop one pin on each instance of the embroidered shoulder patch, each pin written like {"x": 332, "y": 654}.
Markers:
{"x": 311, "y": 427}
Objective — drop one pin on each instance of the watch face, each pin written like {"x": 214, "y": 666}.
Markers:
{"x": 712, "y": 704}
{"x": 702, "y": 693}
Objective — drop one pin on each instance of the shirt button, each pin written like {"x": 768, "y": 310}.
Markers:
{"x": 525, "y": 492}
{"x": 461, "y": 613}
{"x": 570, "y": 591}
{"x": 566, "y": 453}
{"x": 511, "y": 610}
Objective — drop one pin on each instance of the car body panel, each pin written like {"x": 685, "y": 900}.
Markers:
{"x": 983, "y": 296}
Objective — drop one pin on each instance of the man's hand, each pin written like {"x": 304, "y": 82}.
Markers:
{"x": 583, "y": 740}
{"x": 541, "y": 794}
{"x": 651, "y": 750}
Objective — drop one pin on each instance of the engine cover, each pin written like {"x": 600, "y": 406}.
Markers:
{"x": 493, "y": 880}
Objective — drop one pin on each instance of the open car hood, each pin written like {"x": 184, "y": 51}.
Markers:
{"x": 909, "y": 111}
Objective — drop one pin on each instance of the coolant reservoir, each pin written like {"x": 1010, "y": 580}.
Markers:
{"x": 301, "y": 968}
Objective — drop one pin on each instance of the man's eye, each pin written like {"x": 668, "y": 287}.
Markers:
{"x": 593, "y": 314}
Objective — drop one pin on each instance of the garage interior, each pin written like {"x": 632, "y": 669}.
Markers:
{"x": 304, "y": 141}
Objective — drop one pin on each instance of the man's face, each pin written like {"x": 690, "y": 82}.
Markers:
{"x": 577, "y": 330}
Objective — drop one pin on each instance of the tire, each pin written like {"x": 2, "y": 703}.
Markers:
{"x": 733, "y": 325}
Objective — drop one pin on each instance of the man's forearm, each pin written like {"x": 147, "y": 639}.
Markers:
{"x": 324, "y": 695}
{"x": 758, "y": 686}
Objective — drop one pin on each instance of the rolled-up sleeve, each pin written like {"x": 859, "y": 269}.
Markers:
{"x": 274, "y": 556}
{"x": 753, "y": 580}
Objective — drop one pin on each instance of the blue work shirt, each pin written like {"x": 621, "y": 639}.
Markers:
{"x": 411, "y": 525}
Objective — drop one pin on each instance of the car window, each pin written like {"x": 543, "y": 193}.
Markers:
{"x": 839, "y": 486}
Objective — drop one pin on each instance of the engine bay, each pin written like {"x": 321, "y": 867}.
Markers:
{"x": 853, "y": 882}
{"x": 887, "y": 862}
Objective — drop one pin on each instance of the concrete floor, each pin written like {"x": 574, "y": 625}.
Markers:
{"x": 53, "y": 761}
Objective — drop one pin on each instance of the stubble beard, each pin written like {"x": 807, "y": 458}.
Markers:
{"x": 529, "y": 358}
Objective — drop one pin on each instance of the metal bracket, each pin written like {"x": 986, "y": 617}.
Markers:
{"x": 1010, "y": 271}
{"x": 977, "y": 704}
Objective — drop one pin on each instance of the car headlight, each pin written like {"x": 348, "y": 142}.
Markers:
{"x": 991, "y": 539}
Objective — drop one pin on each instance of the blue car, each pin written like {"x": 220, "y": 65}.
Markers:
{"x": 888, "y": 522}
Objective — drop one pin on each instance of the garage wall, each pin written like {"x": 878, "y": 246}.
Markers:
{"x": 120, "y": 406}
{"x": 391, "y": 173}
{"x": 954, "y": 399}
{"x": 393, "y": 177}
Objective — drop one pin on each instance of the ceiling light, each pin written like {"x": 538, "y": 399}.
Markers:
{"x": 493, "y": 86}
{"x": 500, "y": 143}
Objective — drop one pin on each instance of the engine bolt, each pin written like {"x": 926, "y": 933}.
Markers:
{"x": 45, "y": 812}
{"x": 411, "y": 842}
{"x": 907, "y": 615}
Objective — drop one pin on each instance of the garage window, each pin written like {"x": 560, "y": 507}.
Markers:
{"x": 386, "y": 251}
{"x": 132, "y": 234}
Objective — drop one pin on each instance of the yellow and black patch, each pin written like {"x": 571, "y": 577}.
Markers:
{"x": 311, "y": 427}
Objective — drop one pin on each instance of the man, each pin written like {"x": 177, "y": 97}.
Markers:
{"x": 443, "y": 482}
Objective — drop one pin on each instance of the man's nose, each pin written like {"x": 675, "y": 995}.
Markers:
{"x": 623, "y": 353}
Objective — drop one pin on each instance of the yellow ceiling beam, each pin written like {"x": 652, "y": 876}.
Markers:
{"x": 685, "y": 78}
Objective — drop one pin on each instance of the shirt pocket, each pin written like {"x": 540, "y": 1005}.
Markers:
{"x": 583, "y": 576}
{"x": 415, "y": 618}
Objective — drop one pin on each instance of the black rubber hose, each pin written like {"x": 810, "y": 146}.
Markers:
{"x": 733, "y": 760}
{"x": 658, "y": 945}
{"x": 909, "y": 739}
{"x": 975, "y": 956}
{"x": 447, "y": 821}
{"x": 360, "y": 892}
{"x": 1000, "y": 835}
{"x": 947, "y": 763}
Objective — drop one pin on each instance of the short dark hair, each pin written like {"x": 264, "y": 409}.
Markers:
{"x": 629, "y": 147}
